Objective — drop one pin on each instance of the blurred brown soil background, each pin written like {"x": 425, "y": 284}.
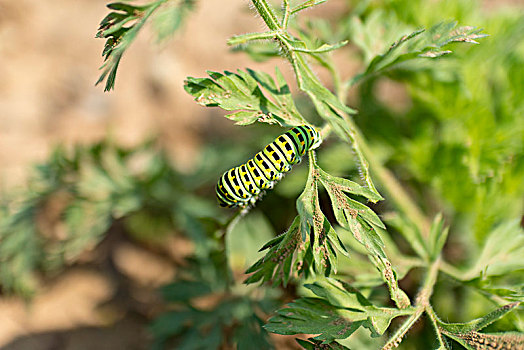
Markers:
{"x": 49, "y": 62}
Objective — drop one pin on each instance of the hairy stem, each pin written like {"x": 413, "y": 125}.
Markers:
{"x": 399, "y": 334}
{"x": 325, "y": 131}
{"x": 434, "y": 321}
{"x": 429, "y": 282}
{"x": 421, "y": 305}
{"x": 267, "y": 14}
{"x": 287, "y": 12}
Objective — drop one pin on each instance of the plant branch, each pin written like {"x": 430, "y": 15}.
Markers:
{"x": 287, "y": 13}
{"x": 422, "y": 305}
{"x": 265, "y": 10}
{"x": 333, "y": 109}
{"x": 434, "y": 322}
{"x": 228, "y": 226}
{"x": 224, "y": 231}
{"x": 399, "y": 334}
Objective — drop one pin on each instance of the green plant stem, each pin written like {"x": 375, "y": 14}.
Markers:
{"x": 232, "y": 221}
{"x": 325, "y": 131}
{"x": 228, "y": 226}
{"x": 224, "y": 231}
{"x": 435, "y": 321}
{"x": 399, "y": 334}
{"x": 266, "y": 12}
{"x": 422, "y": 305}
{"x": 287, "y": 13}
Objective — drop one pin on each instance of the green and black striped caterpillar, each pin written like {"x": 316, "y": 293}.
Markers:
{"x": 243, "y": 185}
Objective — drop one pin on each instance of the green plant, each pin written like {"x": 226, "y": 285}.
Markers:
{"x": 449, "y": 230}
{"x": 121, "y": 26}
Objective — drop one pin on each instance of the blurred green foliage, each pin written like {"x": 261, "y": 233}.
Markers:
{"x": 462, "y": 136}
{"x": 122, "y": 25}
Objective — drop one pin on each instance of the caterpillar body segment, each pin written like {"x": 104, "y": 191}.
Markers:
{"x": 248, "y": 181}
{"x": 266, "y": 166}
{"x": 243, "y": 185}
{"x": 288, "y": 146}
{"x": 258, "y": 176}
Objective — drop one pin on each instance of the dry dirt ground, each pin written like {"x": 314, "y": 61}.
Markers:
{"x": 49, "y": 62}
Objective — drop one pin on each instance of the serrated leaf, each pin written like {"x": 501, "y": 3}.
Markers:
{"x": 352, "y": 216}
{"x": 313, "y": 316}
{"x": 476, "y": 340}
{"x": 339, "y": 294}
{"x": 345, "y": 296}
{"x": 121, "y": 27}
{"x": 374, "y": 33}
{"x": 420, "y": 44}
{"x": 479, "y": 323}
{"x": 277, "y": 264}
{"x": 297, "y": 253}
{"x": 324, "y": 241}
{"x": 349, "y": 186}
{"x": 363, "y": 223}
{"x": 307, "y": 206}
{"x": 335, "y": 315}
{"x": 254, "y": 95}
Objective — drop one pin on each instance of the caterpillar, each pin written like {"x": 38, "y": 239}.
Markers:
{"x": 243, "y": 185}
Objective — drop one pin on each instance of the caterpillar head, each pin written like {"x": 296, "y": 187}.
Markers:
{"x": 316, "y": 139}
